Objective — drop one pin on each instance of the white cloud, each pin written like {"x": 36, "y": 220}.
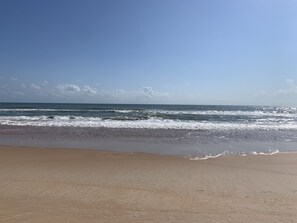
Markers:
{"x": 71, "y": 88}
{"x": 65, "y": 92}
{"x": 148, "y": 91}
{"x": 89, "y": 90}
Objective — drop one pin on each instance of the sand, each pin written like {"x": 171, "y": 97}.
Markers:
{"x": 67, "y": 185}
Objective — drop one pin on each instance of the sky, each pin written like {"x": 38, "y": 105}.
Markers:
{"x": 149, "y": 51}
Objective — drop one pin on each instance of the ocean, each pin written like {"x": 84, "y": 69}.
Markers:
{"x": 149, "y": 116}
{"x": 194, "y": 130}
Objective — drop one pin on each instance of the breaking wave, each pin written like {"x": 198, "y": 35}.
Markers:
{"x": 145, "y": 122}
{"x": 225, "y": 153}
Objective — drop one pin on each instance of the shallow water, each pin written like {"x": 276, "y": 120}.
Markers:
{"x": 190, "y": 143}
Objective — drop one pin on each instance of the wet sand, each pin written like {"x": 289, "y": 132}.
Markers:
{"x": 70, "y": 185}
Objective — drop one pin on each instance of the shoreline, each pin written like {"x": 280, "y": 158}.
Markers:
{"x": 187, "y": 157}
{"x": 73, "y": 185}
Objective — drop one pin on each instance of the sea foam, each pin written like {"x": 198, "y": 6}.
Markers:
{"x": 225, "y": 153}
{"x": 150, "y": 123}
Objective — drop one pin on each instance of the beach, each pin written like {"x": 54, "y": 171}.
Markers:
{"x": 73, "y": 185}
{"x": 148, "y": 111}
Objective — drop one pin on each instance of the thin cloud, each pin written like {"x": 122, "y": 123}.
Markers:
{"x": 3, "y": 89}
{"x": 44, "y": 83}
{"x": 14, "y": 79}
{"x": 35, "y": 86}
{"x": 290, "y": 90}
{"x": 150, "y": 92}
{"x": 19, "y": 93}
{"x": 261, "y": 93}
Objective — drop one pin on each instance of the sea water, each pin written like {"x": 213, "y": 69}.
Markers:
{"x": 194, "y": 130}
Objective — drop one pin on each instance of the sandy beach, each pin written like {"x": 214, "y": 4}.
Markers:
{"x": 69, "y": 185}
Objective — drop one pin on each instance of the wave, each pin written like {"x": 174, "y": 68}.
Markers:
{"x": 225, "y": 153}
{"x": 206, "y": 157}
{"x": 288, "y": 113}
{"x": 228, "y": 113}
{"x": 146, "y": 123}
{"x": 268, "y": 153}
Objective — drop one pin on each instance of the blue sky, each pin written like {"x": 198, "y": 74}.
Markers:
{"x": 149, "y": 51}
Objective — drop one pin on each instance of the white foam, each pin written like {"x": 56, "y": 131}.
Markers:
{"x": 124, "y": 111}
{"x": 258, "y": 113}
{"x": 281, "y": 112}
{"x": 274, "y": 152}
{"x": 206, "y": 156}
{"x": 151, "y": 123}
{"x": 253, "y": 153}
{"x": 271, "y": 152}
{"x": 67, "y": 110}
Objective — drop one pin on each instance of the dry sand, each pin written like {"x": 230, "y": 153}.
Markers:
{"x": 66, "y": 185}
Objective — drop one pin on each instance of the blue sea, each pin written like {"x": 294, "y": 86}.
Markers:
{"x": 165, "y": 129}
{"x": 205, "y": 117}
